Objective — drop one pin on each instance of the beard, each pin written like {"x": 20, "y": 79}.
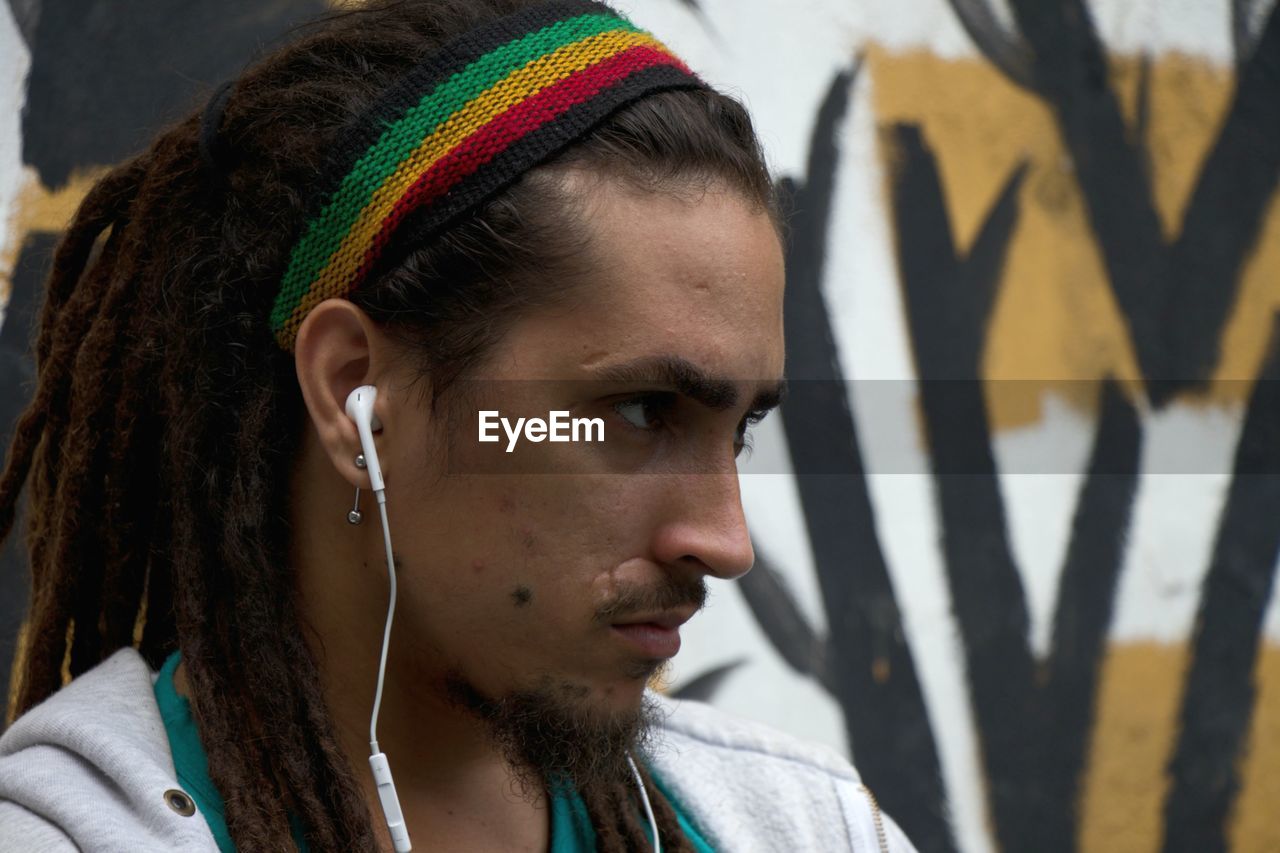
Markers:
{"x": 552, "y": 735}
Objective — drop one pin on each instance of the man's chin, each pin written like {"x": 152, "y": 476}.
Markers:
{"x": 646, "y": 670}
{"x": 563, "y": 732}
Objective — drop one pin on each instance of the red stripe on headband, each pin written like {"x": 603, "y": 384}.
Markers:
{"x": 506, "y": 129}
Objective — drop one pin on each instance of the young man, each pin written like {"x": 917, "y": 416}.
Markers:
{"x": 414, "y": 214}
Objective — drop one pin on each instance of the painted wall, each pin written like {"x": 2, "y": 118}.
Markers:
{"x": 1018, "y": 523}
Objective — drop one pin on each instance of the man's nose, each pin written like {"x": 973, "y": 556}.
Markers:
{"x": 704, "y": 524}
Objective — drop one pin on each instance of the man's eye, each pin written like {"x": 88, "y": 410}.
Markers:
{"x": 646, "y": 412}
{"x": 742, "y": 440}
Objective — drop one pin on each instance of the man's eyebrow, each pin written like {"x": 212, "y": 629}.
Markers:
{"x": 686, "y": 377}
{"x": 770, "y": 398}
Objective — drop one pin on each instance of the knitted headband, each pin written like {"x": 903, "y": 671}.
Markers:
{"x": 491, "y": 105}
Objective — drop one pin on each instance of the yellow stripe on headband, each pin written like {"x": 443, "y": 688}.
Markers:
{"x": 516, "y": 87}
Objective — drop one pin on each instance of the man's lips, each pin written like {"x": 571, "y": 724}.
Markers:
{"x": 672, "y": 619}
{"x": 655, "y": 635}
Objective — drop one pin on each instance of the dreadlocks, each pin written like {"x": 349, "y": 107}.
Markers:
{"x": 156, "y": 452}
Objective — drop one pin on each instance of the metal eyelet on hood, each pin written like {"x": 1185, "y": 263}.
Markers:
{"x": 180, "y": 802}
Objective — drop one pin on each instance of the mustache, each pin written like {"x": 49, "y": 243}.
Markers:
{"x": 674, "y": 592}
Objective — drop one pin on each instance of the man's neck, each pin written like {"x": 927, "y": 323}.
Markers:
{"x": 456, "y": 789}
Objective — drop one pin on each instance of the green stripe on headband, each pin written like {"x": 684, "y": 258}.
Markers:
{"x": 327, "y": 230}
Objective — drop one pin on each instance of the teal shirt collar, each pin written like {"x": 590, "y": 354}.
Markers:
{"x": 191, "y": 762}
{"x": 571, "y": 829}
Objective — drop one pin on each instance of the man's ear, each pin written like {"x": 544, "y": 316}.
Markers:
{"x": 338, "y": 349}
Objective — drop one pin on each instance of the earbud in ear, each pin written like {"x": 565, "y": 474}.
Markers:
{"x": 360, "y": 409}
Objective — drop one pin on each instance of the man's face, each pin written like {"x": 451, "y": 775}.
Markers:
{"x": 566, "y": 567}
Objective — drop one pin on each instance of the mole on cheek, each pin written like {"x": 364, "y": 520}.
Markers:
{"x": 522, "y": 596}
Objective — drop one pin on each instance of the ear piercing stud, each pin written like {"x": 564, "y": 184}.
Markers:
{"x": 356, "y": 516}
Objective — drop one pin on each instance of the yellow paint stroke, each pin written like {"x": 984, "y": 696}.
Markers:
{"x": 1055, "y": 318}
{"x": 1253, "y": 824}
{"x": 1124, "y": 786}
{"x": 1244, "y": 344}
{"x": 37, "y": 208}
{"x": 1140, "y": 695}
{"x": 1188, "y": 101}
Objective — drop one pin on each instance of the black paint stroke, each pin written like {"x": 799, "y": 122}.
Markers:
{"x": 1007, "y": 51}
{"x": 870, "y": 669}
{"x": 948, "y": 305}
{"x": 705, "y": 685}
{"x": 948, "y": 300}
{"x": 26, "y": 14}
{"x": 1175, "y": 298}
{"x": 704, "y": 20}
{"x": 1033, "y": 720}
{"x": 106, "y": 75}
{"x": 17, "y": 378}
{"x": 779, "y": 616}
{"x": 1072, "y": 76}
{"x": 1225, "y": 212}
{"x": 1142, "y": 116}
{"x": 1243, "y": 39}
{"x": 1087, "y": 591}
{"x": 1220, "y": 693}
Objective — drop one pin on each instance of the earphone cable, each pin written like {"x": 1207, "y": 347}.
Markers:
{"x": 648, "y": 807}
{"x": 386, "y": 631}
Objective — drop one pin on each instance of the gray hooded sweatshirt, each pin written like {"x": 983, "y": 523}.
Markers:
{"x": 90, "y": 769}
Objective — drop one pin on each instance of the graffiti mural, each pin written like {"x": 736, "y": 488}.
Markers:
{"x": 1176, "y": 286}
{"x": 1008, "y": 223}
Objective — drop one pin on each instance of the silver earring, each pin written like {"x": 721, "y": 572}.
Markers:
{"x": 356, "y": 516}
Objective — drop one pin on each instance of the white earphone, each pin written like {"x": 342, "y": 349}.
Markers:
{"x": 360, "y": 409}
